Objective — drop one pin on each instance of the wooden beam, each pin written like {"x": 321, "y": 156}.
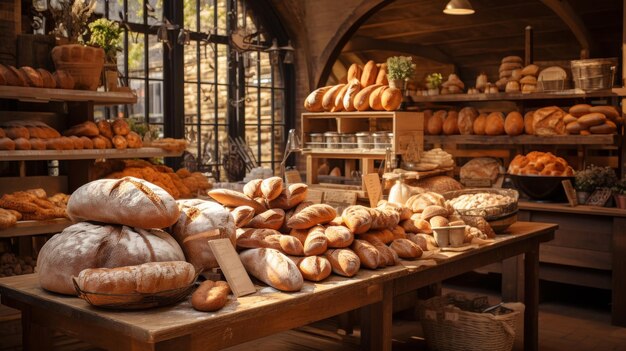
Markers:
{"x": 567, "y": 14}
{"x": 359, "y": 44}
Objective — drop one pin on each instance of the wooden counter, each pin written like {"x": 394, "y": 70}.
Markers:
{"x": 268, "y": 311}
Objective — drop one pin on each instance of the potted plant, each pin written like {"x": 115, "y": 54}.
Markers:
{"x": 84, "y": 63}
{"x": 106, "y": 34}
{"x": 399, "y": 70}
{"x": 433, "y": 82}
{"x": 619, "y": 193}
{"x": 592, "y": 178}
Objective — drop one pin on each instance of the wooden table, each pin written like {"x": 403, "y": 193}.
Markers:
{"x": 268, "y": 311}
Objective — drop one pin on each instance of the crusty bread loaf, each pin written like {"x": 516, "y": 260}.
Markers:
{"x": 530, "y": 70}
{"x": 479, "y": 124}
{"x": 314, "y": 268}
{"x": 33, "y": 78}
{"x": 63, "y": 79}
{"x": 338, "y": 106}
{"x": 128, "y": 201}
{"x": 381, "y": 78}
{"x": 375, "y": 98}
{"x": 357, "y": 218}
{"x": 362, "y": 98}
{"x": 370, "y": 72}
{"x": 252, "y": 189}
{"x": 514, "y": 123}
{"x": 406, "y": 248}
{"x": 466, "y": 118}
{"x": 417, "y": 203}
{"x": 426, "y": 242}
{"x": 354, "y": 86}
{"x": 403, "y": 211}
{"x": 311, "y": 216}
{"x": 591, "y": 119}
{"x": 251, "y": 238}
{"x": 387, "y": 255}
{"x": 343, "y": 261}
{"x": 569, "y": 119}
{"x": 383, "y": 236}
{"x": 398, "y": 232}
{"x": 210, "y": 296}
{"x": 328, "y": 100}
{"x": 450, "y": 124}
{"x": 22, "y": 144}
{"x": 573, "y": 127}
{"x": 87, "y": 128}
{"x": 338, "y": 236}
{"x": 273, "y": 268}
{"x": 233, "y": 198}
{"x": 391, "y": 99}
{"x": 290, "y": 197}
{"x": 434, "y": 210}
{"x": 272, "y": 187}
{"x": 313, "y": 102}
{"x": 439, "y": 221}
{"x": 579, "y": 110}
{"x": 549, "y": 121}
{"x": 494, "y": 124}
{"x": 528, "y": 122}
{"x": 607, "y": 127}
{"x": 316, "y": 242}
{"x": 7, "y": 144}
{"x": 87, "y": 245}
{"x": 481, "y": 168}
{"x": 47, "y": 78}
{"x": 383, "y": 218}
{"x": 199, "y": 222}
{"x": 368, "y": 254}
{"x": 609, "y": 111}
{"x": 354, "y": 72}
{"x": 242, "y": 215}
{"x": 435, "y": 122}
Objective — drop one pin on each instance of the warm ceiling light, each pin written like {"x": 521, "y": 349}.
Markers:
{"x": 459, "y": 7}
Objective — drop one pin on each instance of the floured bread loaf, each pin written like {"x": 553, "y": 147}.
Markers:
{"x": 199, "y": 222}
{"x": 128, "y": 201}
{"x": 87, "y": 245}
{"x": 273, "y": 268}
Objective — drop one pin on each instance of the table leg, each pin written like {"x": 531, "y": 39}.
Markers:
{"x": 618, "y": 311}
{"x": 513, "y": 279}
{"x": 376, "y": 322}
{"x": 34, "y": 336}
{"x": 531, "y": 299}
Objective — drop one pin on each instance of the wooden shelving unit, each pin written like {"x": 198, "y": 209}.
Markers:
{"x": 34, "y": 155}
{"x": 43, "y": 95}
{"x": 566, "y": 94}
{"x": 596, "y": 139}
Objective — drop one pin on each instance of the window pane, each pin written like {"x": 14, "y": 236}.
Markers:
{"x": 155, "y": 109}
{"x": 115, "y": 7}
{"x": 222, "y": 64}
{"x": 191, "y": 103}
{"x": 266, "y": 106}
{"x": 155, "y": 17}
{"x": 207, "y": 105}
{"x": 222, "y": 104}
{"x": 191, "y": 62}
{"x": 136, "y": 56}
{"x": 135, "y": 11}
{"x": 190, "y": 15}
{"x": 266, "y": 70}
{"x": 252, "y": 139}
{"x": 155, "y": 60}
{"x": 251, "y": 106}
{"x": 193, "y": 137}
{"x": 279, "y": 103}
{"x": 207, "y": 62}
{"x": 207, "y": 20}
{"x": 222, "y": 16}
{"x": 250, "y": 65}
{"x": 137, "y": 110}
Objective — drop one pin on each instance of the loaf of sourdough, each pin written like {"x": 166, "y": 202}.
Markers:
{"x": 343, "y": 261}
{"x": 549, "y": 121}
{"x": 129, "y": 201}
{"x": 439, "y": 184}
{"x": 311, "y": 216}
{"x": 199, "y": 222}
{"x": 87, "y": 245}
{"x": 481, "y": 168}
{"x": 147, "y": 278}
{"x": 273, "y": 268}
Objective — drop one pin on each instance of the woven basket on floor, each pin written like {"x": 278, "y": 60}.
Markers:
{"x": 448, "y": 328}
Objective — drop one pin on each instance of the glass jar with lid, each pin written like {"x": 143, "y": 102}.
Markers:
{"x": 317, "y": 140}
{"x": 381, "y": 139}
{"x": 348, "y": 141}
{"x": 333, "y": 140}
{"x": 364, "y": 140}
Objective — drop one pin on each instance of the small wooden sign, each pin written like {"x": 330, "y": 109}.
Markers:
{"x": 232, "y": 267}
{"x": 373, "y": 187}
{"x": 570, "y": 192}
{"x": 476, "y": 183}
{"x": 599, "y": 197}
{"x": 340, "y": 199}
{"x": 315, "y": 196}
{"x": 292, "y": 177}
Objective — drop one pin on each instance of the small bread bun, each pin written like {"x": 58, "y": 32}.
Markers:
{"x": 435, "y": 122}
{"x": 120, "y": 127}
{"x": 33, "y": 78}
{"x": 120, "y": 142}
{"x": 37, "y": 144}
{"x": 22, "y": 144}
{"x": 7, "y": 144}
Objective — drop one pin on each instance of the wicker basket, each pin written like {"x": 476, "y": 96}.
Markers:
{"x": 448, "y": 327}
{"x": 594, "y": 74}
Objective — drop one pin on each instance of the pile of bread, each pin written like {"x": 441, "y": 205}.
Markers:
{"x": 11, "y": 265}
{"x": 540, "y": 163}
{"x": 32, "y": 204}
{"x": 453, "y": 85}
{"x": 107, "y": 135}
{"x": 547, "y": 121}
{"x": 118, "y": 246}
{"x": 367, "y": 88}
{"x": 37, "y": 78}
{"x": 180, "y": 184}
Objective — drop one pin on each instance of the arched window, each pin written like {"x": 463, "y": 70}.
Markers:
{"x": 230, "y": 99}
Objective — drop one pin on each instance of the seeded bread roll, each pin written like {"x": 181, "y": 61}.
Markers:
{"x": 343, "y": 261}
{"x": 210, "y": 296}
{"x": 129, "y": 201}
{"x": 311, "y": 216}
{"x": 272, "y": 187}
{"x": 273, "y": 268}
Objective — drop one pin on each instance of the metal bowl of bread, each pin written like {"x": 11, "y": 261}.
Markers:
{"x": 489, "y": 203}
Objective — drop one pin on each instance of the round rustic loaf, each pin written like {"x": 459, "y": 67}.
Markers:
{"x": 514, "y": 123}
{"x": 494, "y": 124}
{"x": 479, "y": 124}
{"x": 450, "y": 124}
{"x": 435, "y": 123}
{"x": 391, "y": 99}
{"x": 465, "y": 122}
{"x": 88, "y": 245}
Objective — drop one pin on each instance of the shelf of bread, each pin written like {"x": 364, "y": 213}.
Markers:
{"x": 29, "y": 94}
{"x": 565, "y": 94}
{"x": 594, "y": 139}
{"x": 34, "y": 155}
{"x": 25, "y": 228}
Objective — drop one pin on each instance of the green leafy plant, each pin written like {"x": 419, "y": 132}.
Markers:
{"x": 400, "y": 67}
{"x": 71, "y": 18}
{"x": 434, "y": 80}
{"x": 107, "y": 35}
{"x": 594, "y": 177}
{"x": 620, "y": 187}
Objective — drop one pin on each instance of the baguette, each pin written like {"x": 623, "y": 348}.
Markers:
{"x": 381, "y": 77}
{"x": 328, "y": 100}
{"x": 375, "y": 98}
{"x": 270, "y": 219}
{"x": 406, "y": 248}
{"x": 369, "y": 75}
{"x": 354, "y": 86}
{"x": 362, "y": 99}
{"x": 311, "y": 216}
{"x": 339, "y": 99}
{"x": 272, "y": 187}
{"x": 368, "y": 254}
{"x": 252, "y": 189}
{"x": 343, "y": 261}
{"x": 313, "y": 102}
{"x": 210, "y": 296}
{"x": 273, "y": 268}
{"x": 354, "y": 72}
{"x": 233, "y": 198}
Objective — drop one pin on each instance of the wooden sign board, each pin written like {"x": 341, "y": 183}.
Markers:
{"x": 476, "y": 183}
{"x": 231, "y": 266}
{"x": 340, "y": 199}
{"x": 292, "y": 177}
{"x": 315, "y": 196}
{"x": 570, "y": 192}
{"x": 599, "y": 197}
{"x": 374, "y": 190}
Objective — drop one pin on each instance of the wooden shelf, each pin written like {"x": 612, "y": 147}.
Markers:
{"x": 42, "y": 95}
{"x": 25, "y": 228}
{"x": 345, "y": 153}
{"x": 597, "y": 139}
{"x": 565, "y": 208}
{"x": 567, "y": 94}
{"x": 356, "y": 114}
{"x": 34, "y": 155}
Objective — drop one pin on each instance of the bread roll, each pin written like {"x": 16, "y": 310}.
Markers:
{"x": 368, "y": 254}
{"x": 609, "y": 111}
{"x": 569, "y": 119}
{"x": 316, "y": 242}
{"x": 129, "y": 201}
{"x": 104, "y": 127}
{"x": 338, "y": 236}
{"x": 78, "y": 144}
{"x": 357, "y": 218}
{"x": 314, "y": 268}
{"x": 391, "y": 99}
{"x": 354, "y": 72}
{"x": 119, "y": 142}
{"x": 530, "y": 80}
{"x": 573, "y": 127}
{"x": 311, "y": 216}
{"x": 272, "y": 187}
{"x": 252, "y": 188}
{"x": 466, "y": 119}
{"x": 528, "y": 122}
{"x": 273, "y": 268}
{"x": 549, "y": 121}
{"x": 514, "y": 123}
{"x": 37, "y": 144}
{"x": 15, "y": 132}
{"x": 362, "y": 99}
{"x": 99, "y": 142}
{"x": 480, "y": 124}
{"x": 387, "y": 255}
{"x": 381, "y": 78}
{"x": 406, "y": 248}
{"x": 270, "y": 219}
{"x": 343, "y": 261}
{"x": 210, "y": 296}
{"x": 338, "y": 106}
{"x": 530, "y": 70}
{"x": 120, "y": 127}
{"x": 242, "y": 215}
{"x": 375, "y": 97}
{"x": 426, "y": 242}
{"x": 450, "y": 124}
{"x": 434, "y": 210}
{"x": 607, "y": 128}
{"x": 233, "y": 198}
{"x": 87, "y": 143}
{"x": 87, "y": 245}
{"x": 512, "y": 87}
{"x": 435, "y": 123}
{"x": 579, "y": 110}
{"x": 33, "y": 78}
{"x": 438, "y": 221}
{"x": 313, "y": 102}
{"x": 47, "y": 78}
{"x": 134, "y": 140}
{"x": 87, "y": 128}
{"x": 591, "y": 119}
{"x": 369, "y": 75}
{"x": 494, "y": 124}
{"x": 22, "y": 144}
{"x": 328, "y": 100}
{"x": 354, "y": 86}
{"x": 528, "y": 88}
{"x": 63, "y": 79}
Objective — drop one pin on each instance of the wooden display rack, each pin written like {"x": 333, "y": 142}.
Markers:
{"x": 405, "y": 126}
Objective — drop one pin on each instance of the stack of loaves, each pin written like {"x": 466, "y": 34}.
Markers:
{"x": 32, "y": 204}
{"x": 585, "y": 119}
{"x": 453, "y": 85}
{"x": 528, "y": 82}
{"x": 32, "y": 135}
{"x": 510, "y": 74}
{"x": 116, "y": 246}
{"x": 366, "y": 89}
{"x": 26, "y": 76}
{"x": 107, "y": 135}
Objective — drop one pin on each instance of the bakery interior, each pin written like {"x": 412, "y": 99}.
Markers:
{"x": 356, "y": 174}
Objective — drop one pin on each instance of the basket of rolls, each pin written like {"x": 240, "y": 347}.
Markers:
{"x": 539, "y": 175}
{"x": 497, "y": 206}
